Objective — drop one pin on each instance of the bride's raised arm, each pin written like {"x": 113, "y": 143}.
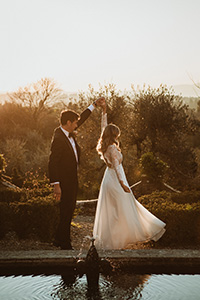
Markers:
{"x": 104, "y": 121}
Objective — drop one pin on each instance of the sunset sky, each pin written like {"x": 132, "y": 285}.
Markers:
{"x": 78, "y": 42}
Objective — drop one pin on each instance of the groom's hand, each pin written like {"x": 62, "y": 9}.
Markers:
{"x": 57, "y": 191}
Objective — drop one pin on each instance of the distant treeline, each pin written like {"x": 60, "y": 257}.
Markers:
{"x": 192, "y": 102}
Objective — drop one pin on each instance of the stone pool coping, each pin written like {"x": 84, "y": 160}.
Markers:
{"x": 141, "y": 261}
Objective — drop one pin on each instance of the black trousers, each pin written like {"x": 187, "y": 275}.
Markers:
{"x": 67, "y": 207}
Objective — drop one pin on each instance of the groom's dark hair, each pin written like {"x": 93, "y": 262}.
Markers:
{"x": 68, "y": 115}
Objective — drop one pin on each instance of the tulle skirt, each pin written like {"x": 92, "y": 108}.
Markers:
{"x": 120, "y": 219}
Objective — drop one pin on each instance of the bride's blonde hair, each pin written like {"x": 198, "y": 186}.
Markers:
{"x": 108, "y": 137}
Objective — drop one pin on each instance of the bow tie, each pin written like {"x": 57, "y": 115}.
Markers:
{"x": 72, "y": 134}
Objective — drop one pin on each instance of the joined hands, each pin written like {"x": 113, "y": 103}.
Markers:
{"x": 102, "y": 103}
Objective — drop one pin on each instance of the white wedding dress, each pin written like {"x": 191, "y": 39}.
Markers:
{"x": 120, "y": 219}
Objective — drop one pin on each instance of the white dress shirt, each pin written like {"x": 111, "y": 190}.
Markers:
{"x": 71, "y": 139}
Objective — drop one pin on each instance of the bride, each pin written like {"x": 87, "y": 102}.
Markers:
{"x": 120, "y": 219}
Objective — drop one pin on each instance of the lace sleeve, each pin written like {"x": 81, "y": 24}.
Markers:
{"x": 115, "y": 159}
{"x": 103, "y": 121}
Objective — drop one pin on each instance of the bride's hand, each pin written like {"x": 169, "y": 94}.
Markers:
{"x": 125, "y": 187}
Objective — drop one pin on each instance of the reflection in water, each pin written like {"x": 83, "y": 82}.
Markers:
{"x": 117, "y": 286}
{"x": 131, "y": 284}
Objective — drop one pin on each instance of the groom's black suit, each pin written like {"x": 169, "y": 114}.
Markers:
{"x": 63, "y": 169}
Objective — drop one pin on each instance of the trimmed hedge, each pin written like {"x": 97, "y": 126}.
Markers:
{"x": 186, "y": 197}
{"x": 10, "y": 194}
{"x": 182, "y": 220}
{"x": 5, "y": 218}
{"x": 38, "y": 216}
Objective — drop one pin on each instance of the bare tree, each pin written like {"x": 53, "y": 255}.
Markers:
{"x": 197, "y": 84}
{"x": 38, "y": 96}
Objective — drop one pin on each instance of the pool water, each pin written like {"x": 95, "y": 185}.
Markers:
{"x": 118, "y": 286}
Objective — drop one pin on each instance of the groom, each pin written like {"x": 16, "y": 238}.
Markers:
{"x": 63, "y": 163}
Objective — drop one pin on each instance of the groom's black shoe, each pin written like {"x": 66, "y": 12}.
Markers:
{"x": 63, "y": 246}
{"x": 56, "y": 244}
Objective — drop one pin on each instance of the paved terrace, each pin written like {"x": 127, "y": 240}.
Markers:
{"x": 137, "y": 261}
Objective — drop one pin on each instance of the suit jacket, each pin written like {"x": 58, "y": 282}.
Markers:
{"x": 62, "y": 160}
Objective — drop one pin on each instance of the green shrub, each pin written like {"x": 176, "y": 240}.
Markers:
{"x": 186, "y": 197}
{"x": 9, "y": 194}
{"x": 182, "y": 220}
{"x": 2, "y": 165}
{"x": 6, "y": 215}
{"x": 36, "y": 184}
{"x": 152, "y": 166}
{"x": 15, "y": 154}
{"x": 38, "y": 216}
{"x": 17, "y": 178}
